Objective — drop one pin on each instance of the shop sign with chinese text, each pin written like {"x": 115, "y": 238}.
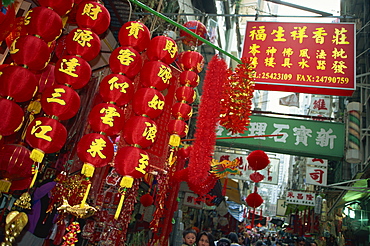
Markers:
{"x": 307, "y": 138}
{"x": 316, "y": 58}
{"x": 316, "y": 171}
{"x": 300, "y": 198}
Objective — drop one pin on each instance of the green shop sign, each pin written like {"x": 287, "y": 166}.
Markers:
{"x": 307, "y": 138}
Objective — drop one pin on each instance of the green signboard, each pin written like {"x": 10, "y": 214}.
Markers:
{"x": 307, "y": 138}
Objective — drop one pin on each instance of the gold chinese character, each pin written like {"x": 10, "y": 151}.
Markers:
{"x": 321, "y": 65}
{"x": 12, "y": 49}
{"x": 299, "y": 33}
{"x": 92, "y": 12}
{"x": 270, "y": 62}
{"x": 253, "y": 61}
{"x": 165, "y": 73}
{"x": 319, "y": 35}
{"x": 338, "y": 66}
{"x": 339, "y": 53}
{"x": 96, "y": 147}
{"x": 55, "y": 96}
{"x": 339, "y": 36}
{"x": 279, "y": 34}
{"x": 258, "y": 34}
{"x": 287, "y": 62}
{"x": 303, "y": 63}
{"x": 83, "y": 37}
{"x": 320, "y": 54}
{"x": 43, "y": 131}
{"x": 109, "y": 112}
{"x": 69, "y": 66}
{"x": 143, "y": 163}
{"x": 271, "y": 51}
{"x": 171, "y": 48}
{"x": 253, "y": 49}
{"x": 287, "y": 52}
{"x": 155, "y": 103}
{"x": 27, "y": 18}
{"x": 114, "y": 85}
{"x": 150, "y": 131}
{"x": 304, "y": 53}
{"x": 134, "y": 29}
{"x": 125, "y": 57}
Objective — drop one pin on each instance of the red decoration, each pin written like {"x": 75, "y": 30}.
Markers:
{"x": 191, "y": 61}
{"x": 46, "y": 77}
{"x": 146, "y": 200}
{"x": 7, "y": 21}
{"x": 134, "y": 34}
{"x": 162, "y": 48}
{"x": 189, "y": 78}
{"x": 46, "y": 134}
{"x": 43, "y": 22}
{"x": 131, "y": 161}
{"x": 148, "y": 102}
{"x": 185, "y": 94}
{"x": 198, "y": 28}
{"x": 94, "y": 16}
{"x": 184, "y": 152}
{"x": 30, "y": 51}
{"x": 12, "y": 117}
{"x": 15, "y": 162}
{"x": 60, "y": 7}
{"x": 96, "y": 149}
{"x": 107, "y": 118}
{"x": 116, "y": 88}
{"x": 140, "y": 130}
{"x": 83, "y": 42}
{"x": 178, "y": 127}
{"x": 254, "y": 200}
{"x": 18, "y": 83}
{"x": 61, "y": 101}
{"x": 182, "y": 111}
{"x": 17, "y": 31}
{"x": 72, "y": 70}
{"x": 156, "y": 74}
{"x": 258, "y": 160}
{"x": 21, "y": 184}
{"x": 256, "y": 177}
{"x": 125, "y": 60}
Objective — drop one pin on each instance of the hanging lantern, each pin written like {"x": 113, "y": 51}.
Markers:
{"x": 94, "y": 16}
{"x": 254, "y": 200}
{"x": 15, "y": 162}
{"x": 46, "y": 78}
{"x": 45, "y": 135}
{"x": 95, "y": 149}
{"x": 43, "y": 22}
{"x": 116, "y": 88}
{"x": 189, "y": 78}
{"x": 12, "y": 117}
{"x": 178, "y": 127}
{"x": 182, "y": 111}
{"x": 148, "y": 102}
{"x": 134, "y": 34}
{"x": 146, "y": 200}
{"x": 17, "y": 31}
{"x": 156, "y": 74}
{"x": 83, "y": 42}
{"x": 107, "y": 118}
{"x": 185, "y": 94}
{"x": 72, "y": 70}
{"x": 61, "y": 101}
{"x": 256, "y": 177}
{"x": 18, "y": 83}
{"x": 140, "y": 130}
{"x": 191, "y": 60}
{"x": 125, "y": 60}
{"x": 184, "y": 151}
{"x": 30, "y": 51}
{"x": 131, "y": 161}
{"x": 162, "y": 48}
{"x": 7, "y": 21}
{"x": 258, "y": 160}
{"x": 60, "y": 7}
{"x": 198, "y": 28}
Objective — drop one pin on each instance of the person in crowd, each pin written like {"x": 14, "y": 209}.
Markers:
{"x": 189, "y": 236}
{"x": 205, "y": 239}
{"x": 241, "y": 240}
{"x": 300, "y": 242}
{"x": 233, "y": 237}
{"x": 331, "y": 241}
{"x": 260, "y": 243}
{"x": 248, "y": 239}
{"x": 223, "y": 242}
{"x": 313, "y": 243}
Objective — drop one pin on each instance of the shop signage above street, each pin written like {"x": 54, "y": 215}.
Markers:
{"x": 300, "y": 198}
{"x": 308, "y": 138}
{"x": 316, "y": 58}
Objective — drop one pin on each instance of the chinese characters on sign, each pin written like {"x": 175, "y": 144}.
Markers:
{"x": 315, "y": 58}
{"x": 300, "y": 198}
{"x": 316, "y": 171}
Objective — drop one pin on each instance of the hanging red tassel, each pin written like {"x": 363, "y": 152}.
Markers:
{"x": 253, "y": 215}
{"x": 225, "y": 187}
{"x": 261, "y": 217}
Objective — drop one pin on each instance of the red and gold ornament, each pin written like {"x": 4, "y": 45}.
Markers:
{"x": 134, "y": 34}
{"x": 107, "y": 118}
{"x": 156, "y": 74}
{"x": 162, "y": 48}
{"x": 140, "y": 130}
{"x": 125, "y": 60}
{"x": 83, "y": 42}
{"x": 116, "y": 88}
{"x": 94, "y": 16}
{"x": 198, "y": 28}
{"x": 148, "y": 102}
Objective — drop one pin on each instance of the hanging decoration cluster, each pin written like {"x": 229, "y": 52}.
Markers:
{"x": 237, "y": 98}
{"x": 198, "y": 28}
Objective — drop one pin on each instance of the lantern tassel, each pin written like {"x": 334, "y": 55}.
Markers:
{"x": 126, "y": 182}
{"x": 5, "y": 185}
{"x": 83, "y": 202}
{"x": 37, "y": 155}
{"x": 88, "y": 171}
{"x": 120, "y": 204}
{"x": 34, "y": 177}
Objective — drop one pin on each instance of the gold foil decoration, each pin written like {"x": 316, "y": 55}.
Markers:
{"x": 14, "y": 223}
{"x": 24, "y": 201}
{"x": 79, "y": 211}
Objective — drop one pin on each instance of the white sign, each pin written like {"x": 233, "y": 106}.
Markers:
{"x": 300, "y": 198}
{"x": 281, "y": 207}
{"x": 316, "y": 171}
{"x": 190, "y": 200}
{"x": 320, "y": 105}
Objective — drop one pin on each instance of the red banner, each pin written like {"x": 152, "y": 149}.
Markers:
{"x": 316, "y": 58}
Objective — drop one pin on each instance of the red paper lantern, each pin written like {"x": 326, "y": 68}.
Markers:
{"x": 178, "y": 127}
{"x": 256, "y": 177}
{"x": 191, "y": 60}
{"x": 12, "y": 117}
{"x": 258, "y": 160}
{"x": 198, "y": 28}
{"x": 46, "y": 134}
{"x": 162, "y": 48}
{"x": 134, "y": 34}
{"x": 17, "y": 31}
{"x": 107, "y": 118}
{"x": 96, "y": 149}
{"x": 60, "y": 7}
{"x": 15, "y": 162}
{"x": 94, "y": 16}
{"x": 156, "y": 74}
{"x": 43, "y": 22}
{"x": 21, "y": 184}
{"x": 18, "y": 83}
{"x": 83, "y": 42}
{"x": 146, "y": 200}
{"x": 30, "y": 51}
{"x": 7, "y": 21}
{"x": 148, "y": 102}
{"x": 61, "y": 101}
{"x": 184, "y": 152}
{"x": 116, "y": 88}
{"x": 185, "y": 94}
{"x": 181, "y": 111}
{"x": 46, "y": 77}
{"x": 189, "y": 78}
{"x": 125, "y": 60}
{"x": 254, "y": 200}
{"x": 131, "y": 161}
{"x": 72, "y": 70}
{"x": 140, "y": 130}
